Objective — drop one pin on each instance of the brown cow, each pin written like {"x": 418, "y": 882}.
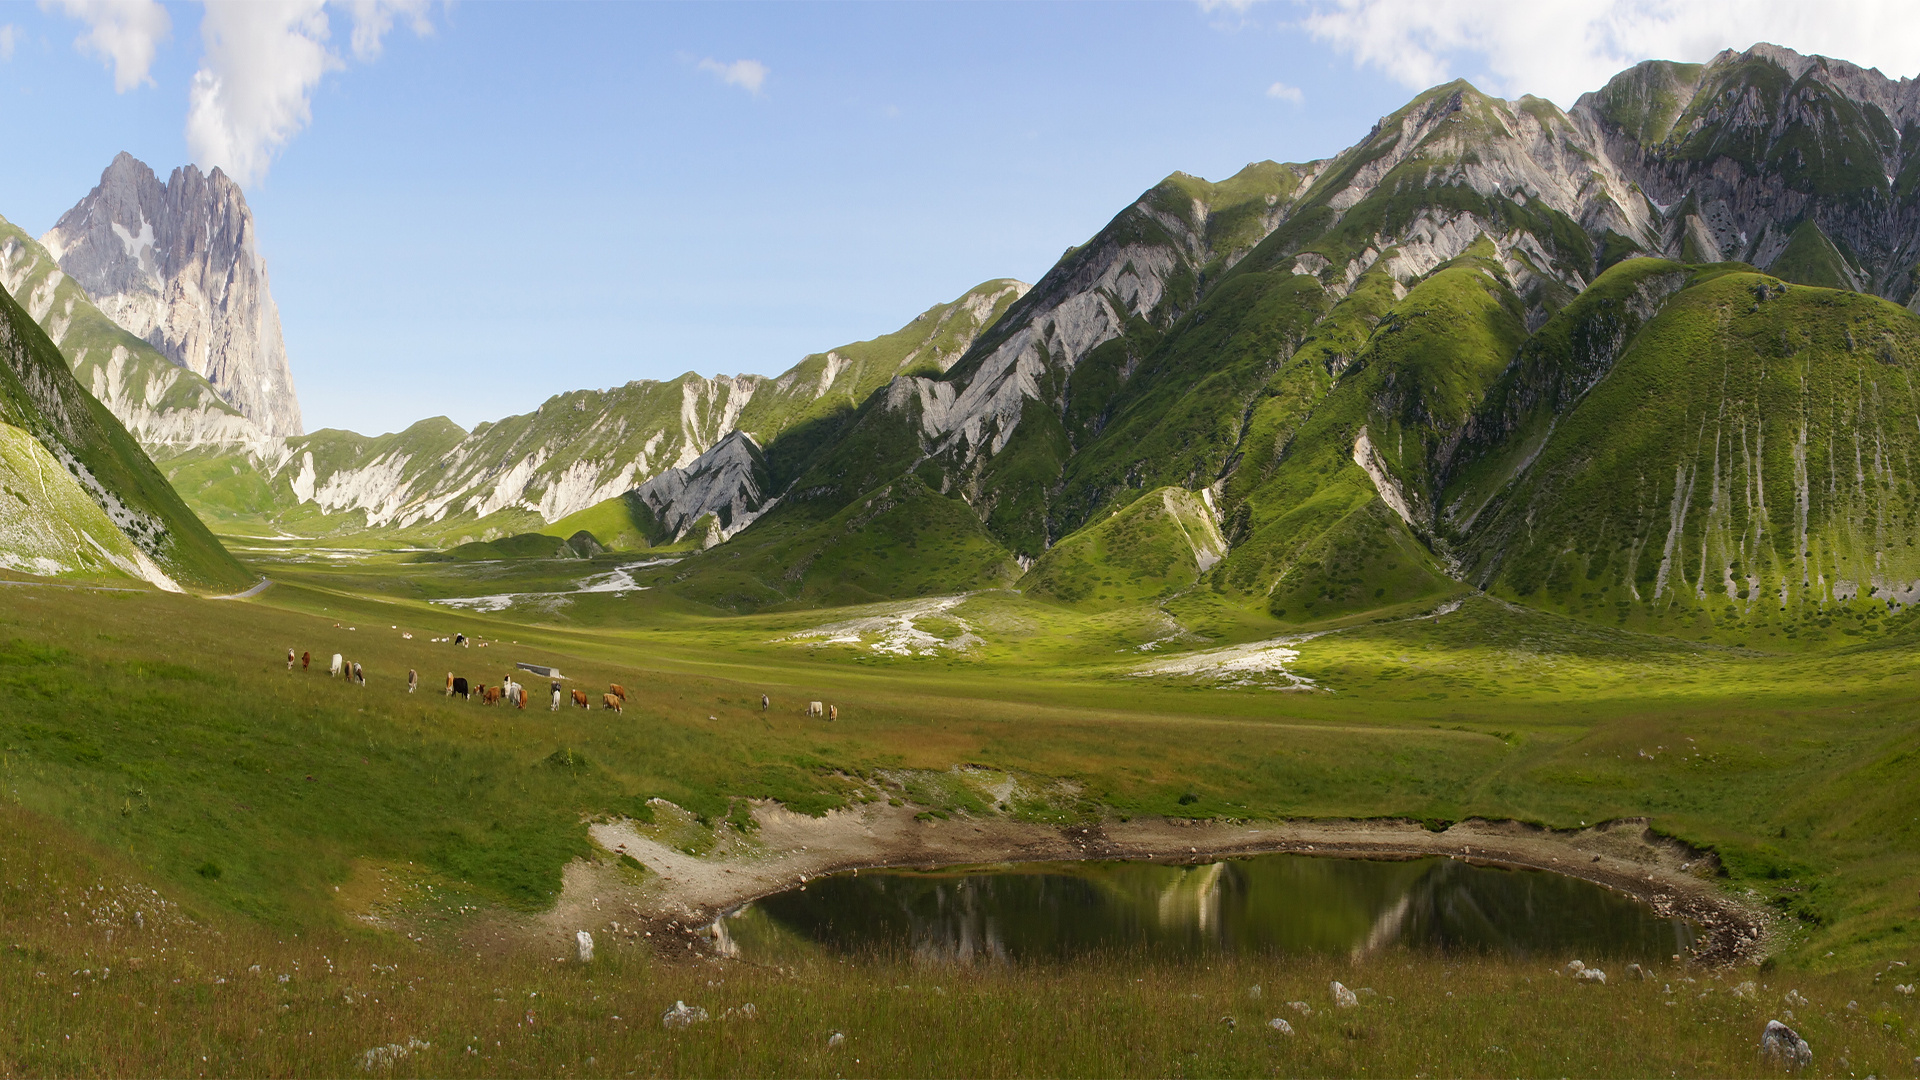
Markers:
{"x": 609, "y": 701}
{"x": 617, "y": 691}
{"x": 580, "y": 699}
{"x": 491, "y": 695}
{"x": 449, "y": 684}
{"x": 305, "y": 659}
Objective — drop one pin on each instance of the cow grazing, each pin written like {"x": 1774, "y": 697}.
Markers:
{"x": 555, "y": 707}
{"x": 617, "y": 691}
{"x": 610, "y": 701}
{"x": 519, "y": 697}
{"x": 449, "y": 684}
{"x": 306, "y": 658}
{"x": 459, "y": 686}
{"x": 490, "y": 695}
{"x": 580, "y": 699}
{"x": 359, "y": 674}
{"x": 339, "y": 665}
{"x": 814, "y": 708}
{"x": 413, "y": 680}
{"x": 833, "y": 712}
{"x": 289, "y": 659}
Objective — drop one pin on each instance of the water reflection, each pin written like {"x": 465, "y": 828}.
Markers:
{"x": 1264, "y": 904}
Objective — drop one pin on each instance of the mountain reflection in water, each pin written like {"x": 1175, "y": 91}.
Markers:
{"x": 1262, "y": 904}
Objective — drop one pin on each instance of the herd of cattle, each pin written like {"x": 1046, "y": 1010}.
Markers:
{"x": 508, "y": 692}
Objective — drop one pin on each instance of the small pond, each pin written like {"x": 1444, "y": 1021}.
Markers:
{"x": 1265, "y": 904}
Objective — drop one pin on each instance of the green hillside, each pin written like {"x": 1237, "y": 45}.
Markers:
{"x": 40, "y": 398}
{"x": 1153, "y": 547}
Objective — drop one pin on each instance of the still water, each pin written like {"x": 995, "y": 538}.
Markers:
{"x": 1266, "y": 904}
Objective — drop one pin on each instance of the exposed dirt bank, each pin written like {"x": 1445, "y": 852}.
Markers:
{"x": 679, "y": 901}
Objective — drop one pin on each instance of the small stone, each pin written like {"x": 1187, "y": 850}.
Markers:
{"x": 1300, "y": 1007}
{"x": 1639, "y": 972}
{"x": 1747, "y": 991}
{"x": 1254, "y": 992}
{"x": 585, "y": 942}
{"x": 1574, "y": 968}
{"x": 835, "y": 1039}
{"x": 1795, "y": 999}
{"x": 1230, "y": 1022}
{"x": 1343, "y": 998}
{"x": 1280, "y": 1026}
{"x": 1782, "y": 1045}
{"x": 1591, "y": 975}
{"x": 681, "y": 1016}
{"x": 1904, "y": 988}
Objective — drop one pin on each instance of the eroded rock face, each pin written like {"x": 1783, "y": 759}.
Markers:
{"x": 176, "y": 264}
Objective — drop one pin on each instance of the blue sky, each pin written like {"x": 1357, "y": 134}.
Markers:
{"x": 504, "y": 201}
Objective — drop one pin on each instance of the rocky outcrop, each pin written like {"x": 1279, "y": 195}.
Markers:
{"x": 177, "y": 265}
{"x": 727, "y": 483}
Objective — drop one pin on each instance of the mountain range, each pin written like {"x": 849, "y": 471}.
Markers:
{"x": 1647, "y": 359}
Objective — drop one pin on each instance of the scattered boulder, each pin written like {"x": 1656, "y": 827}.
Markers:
{"x": 1343, "y": 998}
{"x": 1254, "y": 992}
{"x": 682, "y": 1016}
{"x": 1574, "y": 968}
{"x": 1591, "y": 975}
{"x": 1280, "y": 1026}
{"x": 1747, "y": 991}
{"x": 1904, "y": 988}
{"x": 1300, "y": 1007}
{"x": 1783, "y": 1046}
{"x": 1639, "y": 972}
{"x": 1796, "y": 999}
{"x": 585, "y": 941}
{"x": 835, "y": 1039}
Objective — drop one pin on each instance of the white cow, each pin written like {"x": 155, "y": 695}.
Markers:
{"x": 338, "y": 664}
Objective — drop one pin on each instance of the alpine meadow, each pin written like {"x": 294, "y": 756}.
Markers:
{"x": 1443, "y": 609}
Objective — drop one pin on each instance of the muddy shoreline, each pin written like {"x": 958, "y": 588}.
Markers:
{"x": 675, "y": 908}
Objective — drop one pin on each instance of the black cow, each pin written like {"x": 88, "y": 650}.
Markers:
{"x": 460, "y": 687}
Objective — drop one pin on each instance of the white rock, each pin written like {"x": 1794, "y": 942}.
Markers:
{"x": 1343, "y": 998}
{"x": 835, "y": 1039}
{"x": 1280, "y": 1026}
{"x": 585, "y": 942}
{"x": 681, "y": 1016}
{"x": 1592, "y": 975}
{"x": 1782, "y": 1045}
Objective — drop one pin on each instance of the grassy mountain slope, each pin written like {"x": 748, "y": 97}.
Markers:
{"x": 1748, "y": 461}
{"x": 39, "y": 396}
{"x": 1151, "y": 548}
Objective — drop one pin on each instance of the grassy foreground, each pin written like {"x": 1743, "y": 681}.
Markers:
{"x": 104, "y": 975}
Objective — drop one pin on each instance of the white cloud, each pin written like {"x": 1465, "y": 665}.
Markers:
{"x": 749, "y": 75}
{"x": 9, "y": 37}
{"x": 1562, "y": 48}
{"x": 1284, "y": 92}
{"x": 262, "y": 61}
{"x": 373, "y": 18}
{"x": 123, "y": 33}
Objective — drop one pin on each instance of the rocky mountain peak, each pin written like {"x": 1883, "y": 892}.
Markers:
{"x": 177, "y": 265}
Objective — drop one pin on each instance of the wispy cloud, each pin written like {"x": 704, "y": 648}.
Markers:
{"x": 1561, "y": 48}
{"x": 9, "y": 37}
{"x": 748, "y": 75}
{"x": 124, "y": 34}
{"x": 1284, "y": 92}
{"x": 263, "y": 59}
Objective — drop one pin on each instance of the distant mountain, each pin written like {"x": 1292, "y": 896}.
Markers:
{"x": 77, "y": 495}
{"x": 167, "y": 408}
{"x": 176, "y": 265}
{"x": 582, "y": 448}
